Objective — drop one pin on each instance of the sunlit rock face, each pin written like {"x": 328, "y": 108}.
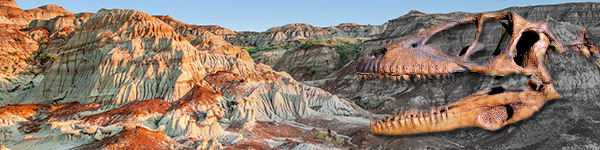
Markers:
{"x": 120, "y": 74}
{"x": 13, "y": 17}
{"x": 47, "y": 12}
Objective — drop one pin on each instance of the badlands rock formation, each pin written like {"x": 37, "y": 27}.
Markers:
{"x": 195, "y": 30}
{"x": 18, "y": 67}
{"x": 13, "y": 17}
{"x": 296, "y": 31}
{"x": 47, "y": 12}
{"x": 122, "y": 74}
{"x": 206, "y": 37}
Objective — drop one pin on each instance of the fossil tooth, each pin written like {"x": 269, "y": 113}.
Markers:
{"x": 415, "y": 121}
{"x": 401, "y": 115}
{"x": 406, "y": 77}
{"x": 422, "y": 120}
{"x": 395, "y": 124}
{"x": 402, "y": 122}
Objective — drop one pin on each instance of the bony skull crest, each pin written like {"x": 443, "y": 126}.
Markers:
{"x": 524, "y": 53}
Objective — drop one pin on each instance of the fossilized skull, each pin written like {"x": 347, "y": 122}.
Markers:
{"x": 521, "y": 50}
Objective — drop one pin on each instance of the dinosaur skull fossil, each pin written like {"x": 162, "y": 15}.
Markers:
{"x": 524, "y": 53}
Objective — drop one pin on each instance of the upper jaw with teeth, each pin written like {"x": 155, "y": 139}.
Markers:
{"x": 400, "y": 77}
{"x": 412, "y": 59}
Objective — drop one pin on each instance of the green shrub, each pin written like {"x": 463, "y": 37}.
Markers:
{"x": 44, "y": 58}
{"x": 320, "y": 135}
{"x": 335, "y": 140}
{"x": 307, "y": 44}
{"x": 313, "y": 70}
{"x": 347, "y": 52}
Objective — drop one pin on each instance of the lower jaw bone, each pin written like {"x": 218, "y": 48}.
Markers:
{"x": 478, "y": 110}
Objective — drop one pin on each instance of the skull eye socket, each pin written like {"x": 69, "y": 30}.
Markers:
{"x": 524, "y": 48}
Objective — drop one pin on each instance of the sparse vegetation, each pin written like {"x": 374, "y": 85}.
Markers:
{"x": 368, "y": 105}
{"x": 254, "y": 50}
{"x": 347, "y": 52}
{"x": 32, "y": 71}
{"x": 313, "y": 70}
{"x": 44, "y": 58}
{"x": 348, "y": 49}
{"x": 190, "y": 37}
{"x": 329, "y": 139}
{"x": 308, "y": 44}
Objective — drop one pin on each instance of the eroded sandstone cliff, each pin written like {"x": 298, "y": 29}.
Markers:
{"x": 124, "y": 73}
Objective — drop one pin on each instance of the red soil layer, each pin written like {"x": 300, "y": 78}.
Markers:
{"x": 68, "y": 110}
{"x": 129, "y": 111}
{"x": 198, "y": 95}
{"x": 22, "y": 110}
{"x": 139, "y": 138}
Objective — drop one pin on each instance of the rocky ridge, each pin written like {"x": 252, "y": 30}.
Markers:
{"x": 297, "y": 31}
{"x": 47, "y": 12}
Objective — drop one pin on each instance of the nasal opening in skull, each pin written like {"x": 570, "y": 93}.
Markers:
{"x": 377, "y": 53}
{"x": 453, "y": 40}
{"x": 524, "y": 48}
{"x": 496, "y": 90}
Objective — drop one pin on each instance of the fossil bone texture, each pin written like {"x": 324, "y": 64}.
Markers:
{"x": 521, "y": 50}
